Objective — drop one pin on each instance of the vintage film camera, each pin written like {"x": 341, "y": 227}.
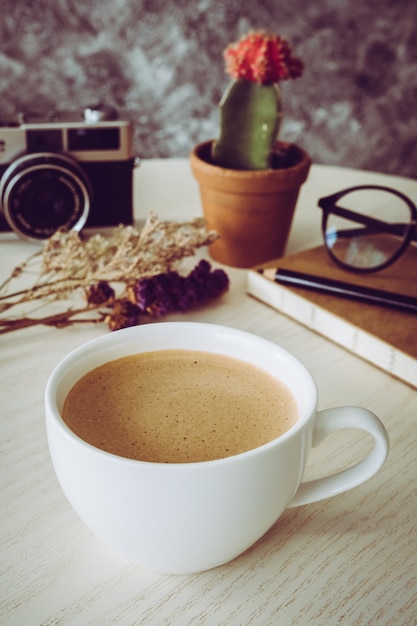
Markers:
{"x": 65, "y": 170}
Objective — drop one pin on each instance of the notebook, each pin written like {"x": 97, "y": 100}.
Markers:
{"x": 383, "y": 336}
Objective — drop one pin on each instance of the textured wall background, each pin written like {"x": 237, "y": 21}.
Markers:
{"x": 161, "y": 62}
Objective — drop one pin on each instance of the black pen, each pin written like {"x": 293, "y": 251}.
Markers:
{"x": 368, "y": 295}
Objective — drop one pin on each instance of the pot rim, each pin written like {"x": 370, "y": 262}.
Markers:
{"x": 289, "y": 177}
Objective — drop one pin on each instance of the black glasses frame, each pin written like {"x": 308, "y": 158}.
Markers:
{"x": 408, "y": 231}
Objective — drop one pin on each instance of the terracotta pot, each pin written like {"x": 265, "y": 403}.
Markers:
{"x": 251, "y": 210}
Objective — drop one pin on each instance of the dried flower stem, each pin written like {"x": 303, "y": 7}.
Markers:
{"x": 18, "y": 271}
{"x": 59, "y": 320}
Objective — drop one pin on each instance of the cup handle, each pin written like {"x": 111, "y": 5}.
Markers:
{"x": 327, "y": 422}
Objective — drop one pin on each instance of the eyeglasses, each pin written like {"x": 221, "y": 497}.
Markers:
{"x": 367, "y": 228}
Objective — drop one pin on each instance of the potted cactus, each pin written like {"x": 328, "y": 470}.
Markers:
{"x": 249, "y": 181}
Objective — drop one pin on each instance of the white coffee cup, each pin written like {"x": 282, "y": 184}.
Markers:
{"x": 188, "y": 517}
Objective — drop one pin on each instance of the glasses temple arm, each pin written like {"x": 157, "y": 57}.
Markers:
{"x": 371, "y": 222}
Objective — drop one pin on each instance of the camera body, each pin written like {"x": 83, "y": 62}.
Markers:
{"x": 65, "y": 170}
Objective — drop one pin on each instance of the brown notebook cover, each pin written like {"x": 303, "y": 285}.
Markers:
{"x": 384, "y": 336}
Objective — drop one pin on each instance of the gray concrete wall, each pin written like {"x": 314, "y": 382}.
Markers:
{"x": 161, "y": 62}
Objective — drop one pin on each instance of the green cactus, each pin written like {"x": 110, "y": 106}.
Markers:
{"x": 250, "y": 119}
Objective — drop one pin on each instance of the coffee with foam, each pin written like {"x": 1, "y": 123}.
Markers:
{"x": 179, "y": 406}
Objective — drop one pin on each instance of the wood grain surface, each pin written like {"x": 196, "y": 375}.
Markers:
{"x": 348, "y": 560}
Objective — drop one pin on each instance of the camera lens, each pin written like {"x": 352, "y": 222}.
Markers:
{"x": 41, "y": 193}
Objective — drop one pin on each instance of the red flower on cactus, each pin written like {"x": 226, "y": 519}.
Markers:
{"x": 262, "y": 58}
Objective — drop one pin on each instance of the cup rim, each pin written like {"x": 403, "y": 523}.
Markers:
{"x": 64, "y": 366}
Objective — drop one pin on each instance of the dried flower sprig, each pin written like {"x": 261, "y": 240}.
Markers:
{"x": 99, "y": 266}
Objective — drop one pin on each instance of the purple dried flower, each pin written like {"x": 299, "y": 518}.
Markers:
{"x": 100, "y": 293}
{"x": 169, "y": 292}
{"x": 203, "y": 284}
{"x": 123, "y": 314}
{"x": 159, "y": 294}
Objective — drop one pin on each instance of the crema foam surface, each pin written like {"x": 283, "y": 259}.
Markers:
{"x": 175, "y": 406}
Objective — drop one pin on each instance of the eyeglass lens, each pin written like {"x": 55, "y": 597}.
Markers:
{"x": 363, "y": 245}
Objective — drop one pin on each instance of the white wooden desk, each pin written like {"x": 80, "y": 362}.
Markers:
{"x": 349, "y": 560}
